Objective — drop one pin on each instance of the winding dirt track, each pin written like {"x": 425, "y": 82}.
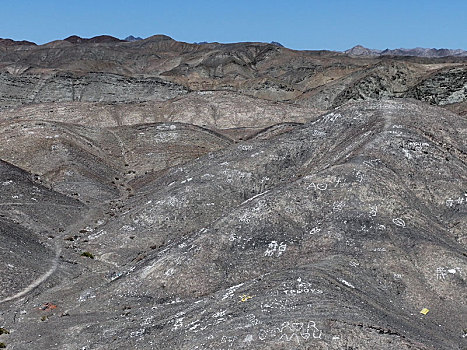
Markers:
{"x": 38, "y": 281}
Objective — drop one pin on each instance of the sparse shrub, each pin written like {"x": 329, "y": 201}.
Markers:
{"x": 4, "y": 331}
{"x": 87, "y": 255}
{"x": 2, "y": 345}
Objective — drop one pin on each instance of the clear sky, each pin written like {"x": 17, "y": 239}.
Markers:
{"x": 300, "y": 24}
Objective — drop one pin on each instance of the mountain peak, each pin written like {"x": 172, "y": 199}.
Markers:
{"x": 159, "y": 37}
{"x": 360, "y": 50}
{"x": 131, "y": 38}
{"x": 277, "y": 43}
{"x": 75, "y": 39}
{"x": 11, "y": 42}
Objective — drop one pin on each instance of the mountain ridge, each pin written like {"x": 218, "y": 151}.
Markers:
{"x": 357, "y": 50}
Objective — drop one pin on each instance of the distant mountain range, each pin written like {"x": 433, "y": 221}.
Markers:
{"x": 9, "y": 42}
{"x": 356, "y": 51}
{"x": 418, "y": 51}
{"x": 74, "y": 39}
{"x": 131, "y": 38}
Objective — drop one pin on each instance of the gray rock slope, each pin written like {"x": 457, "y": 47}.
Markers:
{"x": 95, "y": 164}
{"x": 334, "y": 235}
{"x": 30, "y": 217}
{"x": 91, "y": 87}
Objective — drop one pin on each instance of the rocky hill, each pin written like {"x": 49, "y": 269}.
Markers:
{"x": 105, "y": 69}
{"x": 156, "y": 194}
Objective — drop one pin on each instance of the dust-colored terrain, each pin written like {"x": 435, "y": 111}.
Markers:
{"x": 156, "y": 194}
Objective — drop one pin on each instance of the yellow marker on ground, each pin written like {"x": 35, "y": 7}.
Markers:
{"x": 424, "y": 311}
{"x": 245, "y": 297}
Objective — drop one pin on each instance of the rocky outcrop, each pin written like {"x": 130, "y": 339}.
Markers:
{"x": 392, "y": 80}
{"x": 93, "y": 87}
{"x": 442, "y": 88}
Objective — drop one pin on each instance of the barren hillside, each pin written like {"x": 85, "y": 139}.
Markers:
{"x": 156, "y": 194}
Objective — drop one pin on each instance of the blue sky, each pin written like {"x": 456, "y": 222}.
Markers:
{"x": 301, "y": 24}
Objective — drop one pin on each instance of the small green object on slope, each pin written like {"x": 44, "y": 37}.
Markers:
{"x": 87, "y": 254}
